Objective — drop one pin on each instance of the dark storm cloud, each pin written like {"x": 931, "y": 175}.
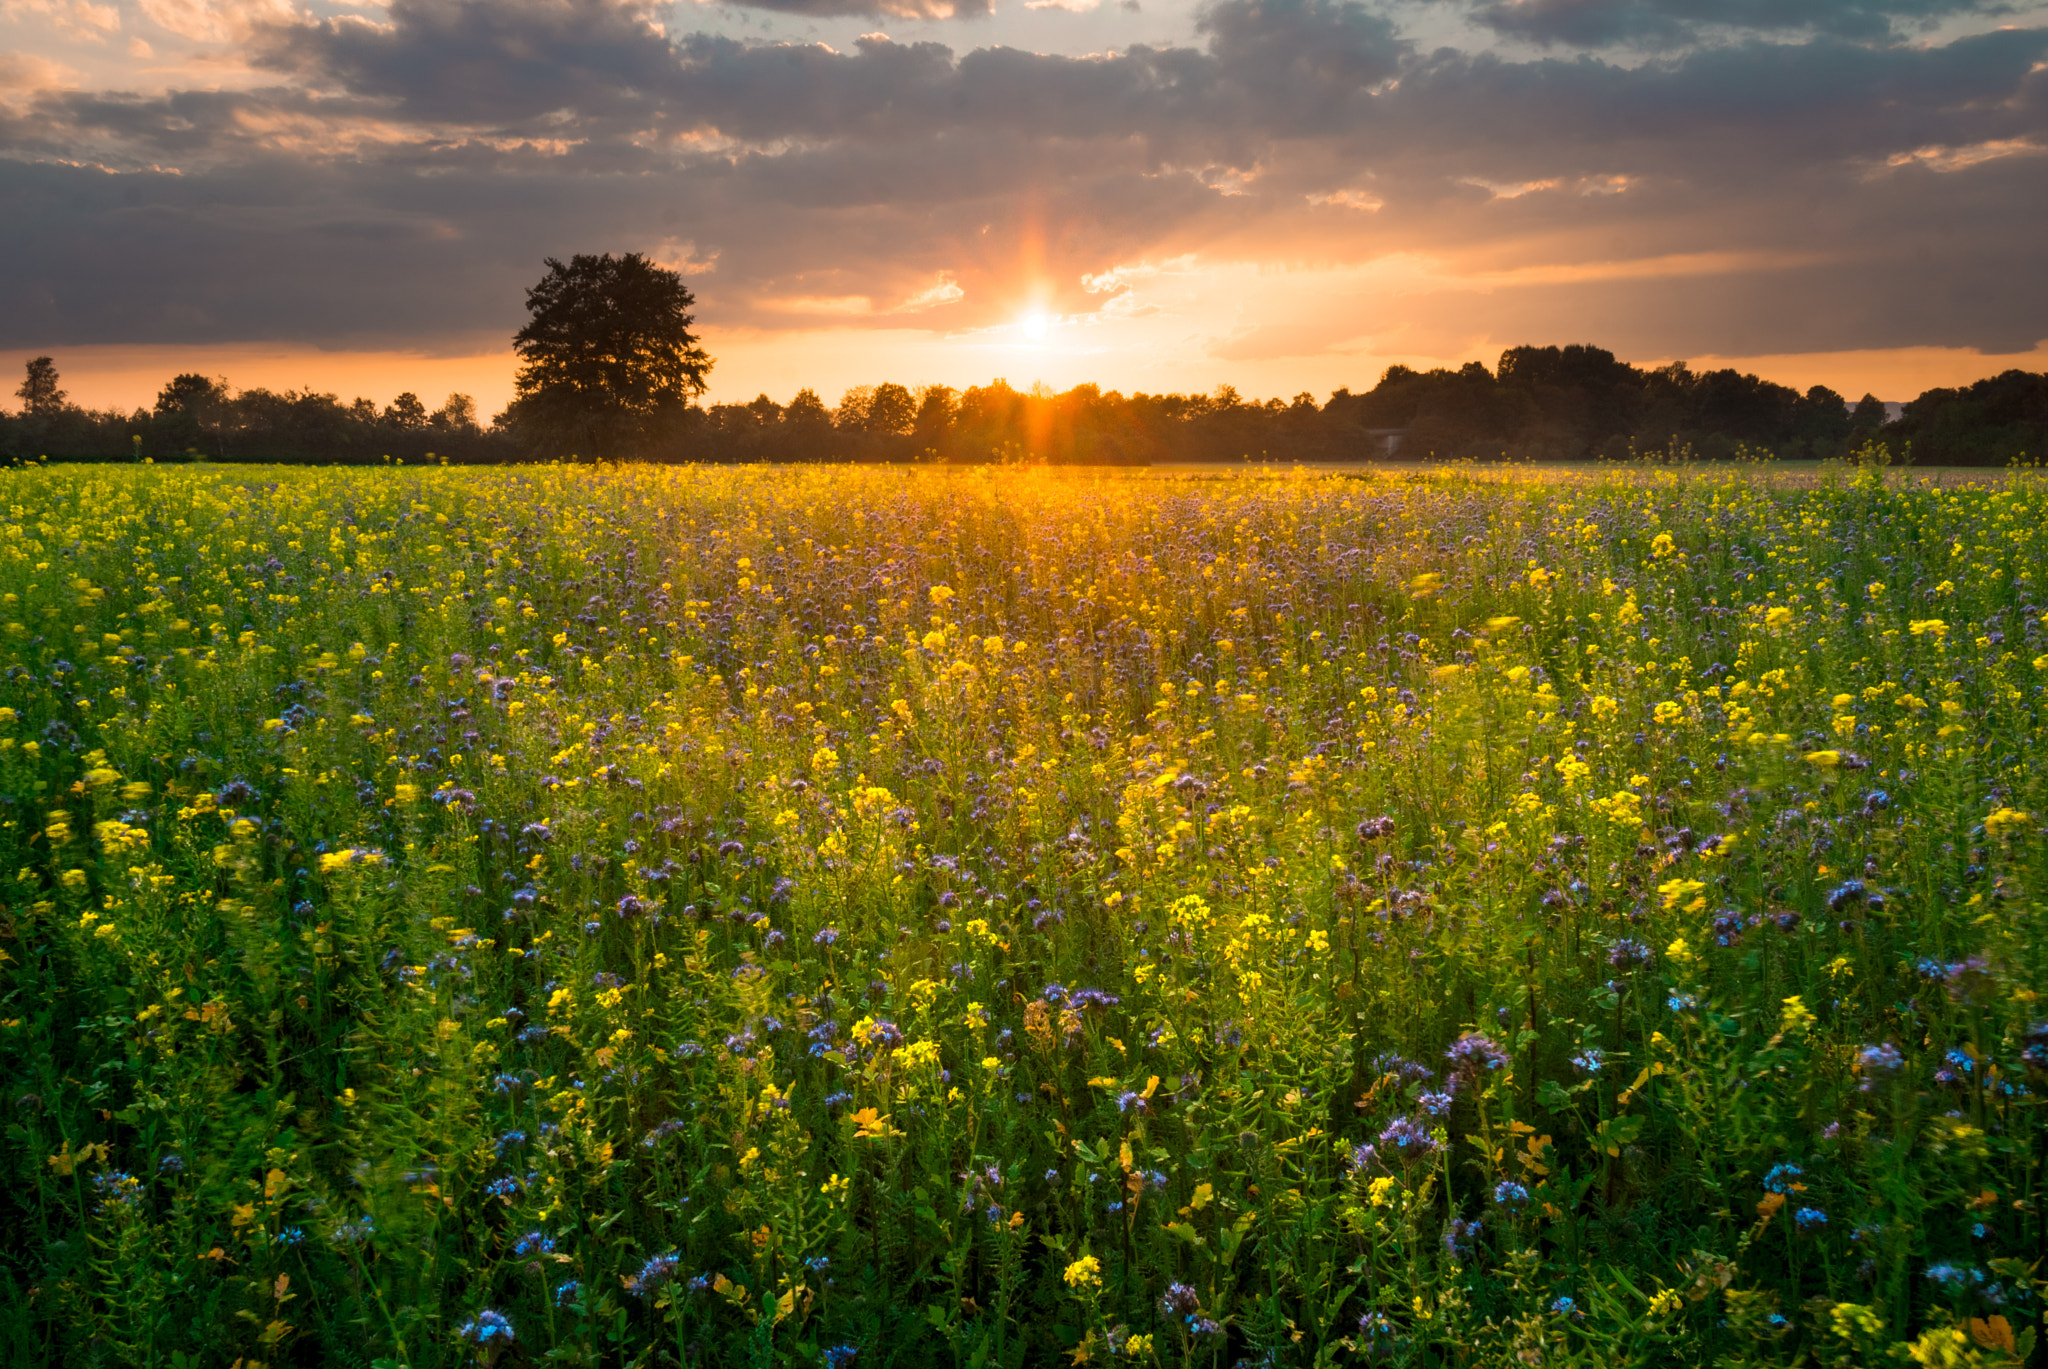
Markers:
{"x": 403, "y": 179}
{"x": 1670, "y": 23}
{"x": 501, "y": 61}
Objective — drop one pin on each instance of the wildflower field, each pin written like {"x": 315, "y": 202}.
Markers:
{"x": 831, "y": 916}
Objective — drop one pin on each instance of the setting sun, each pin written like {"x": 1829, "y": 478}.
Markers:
{"x": 1036, "y": 326}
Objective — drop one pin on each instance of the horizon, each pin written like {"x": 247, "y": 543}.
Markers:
{"x": 119, "y": 383}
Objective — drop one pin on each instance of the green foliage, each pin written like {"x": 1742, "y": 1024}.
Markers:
{"x": 690, "y": 916}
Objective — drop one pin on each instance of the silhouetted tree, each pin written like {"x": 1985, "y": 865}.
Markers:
{"x": 39, "y": 394}
{"x": 1869, "y": 413}
{"x": 457, "y": 414}
{"x": 936, "y": 406}
{"x": 890, "y": 410}
{"x": 807, "y": 411}
{"x": 406, "y": 412}
{"x": 608, "y": 364}
{"x": 190, "y": 413}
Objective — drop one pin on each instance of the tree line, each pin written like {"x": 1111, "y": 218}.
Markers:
{"x": 610, "y": 369}
{"x": 1537, "y": 404}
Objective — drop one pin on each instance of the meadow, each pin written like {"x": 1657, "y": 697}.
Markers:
{"x": 861, "y": 917}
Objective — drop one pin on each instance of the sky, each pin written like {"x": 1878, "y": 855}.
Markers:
{"x": 1281, "y": 195}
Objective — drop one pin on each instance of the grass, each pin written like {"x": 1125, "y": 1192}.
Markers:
{"x": 856, "y": 917}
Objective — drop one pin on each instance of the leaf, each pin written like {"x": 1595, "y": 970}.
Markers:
{"x": 1993, "y": 1334}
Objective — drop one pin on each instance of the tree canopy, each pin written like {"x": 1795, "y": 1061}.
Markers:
{"x": 608, "y": 364}
{"x": 39, "y": 394}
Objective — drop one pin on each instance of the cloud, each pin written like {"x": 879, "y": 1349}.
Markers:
{"x": 886, "y": 9}
{"x": 215, "y": 21}
{"x": 1674, "y": 23}
{"x": 402, "y": 178}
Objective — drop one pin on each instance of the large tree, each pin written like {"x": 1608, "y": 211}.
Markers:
{"x": 608, "y": 364}
{"x": 39, "y": 394}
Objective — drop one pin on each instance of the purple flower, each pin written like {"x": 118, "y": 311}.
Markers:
{"x": 1179, "y": 1300}
{"x": 1510, "y": 1194}
{"x": 658, "y": 1270}
{"x": 1474, "y": 1054}
{"x": 1458, "y": 1237}
{"x": 1881, "y": 1061}
{"x": 1629, "y": 954}
{"x": 1404, "y": 1135}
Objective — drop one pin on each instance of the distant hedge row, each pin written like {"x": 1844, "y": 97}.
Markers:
{"x": 1538, "y": 404}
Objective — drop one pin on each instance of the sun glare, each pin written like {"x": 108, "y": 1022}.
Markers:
{"x": 1035, "y": 326}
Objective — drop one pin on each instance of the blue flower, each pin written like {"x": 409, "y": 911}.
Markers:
{"x": 1475, "y": 1053}
{"x": 1406, "y": 1136}
{"x": 1628, "y": 954}
{"x": 117, "y": 1189}
{"x": 1881, "y": 1061}
{"x": 656, "y": 1272}
{"x": 1782, "y": 1178}
{"x": 568, "y": 1291}
{"x": 1510, "y": 1194}
{"x": 1810, "y": 1218}
{"x": 534, "y": 1243}
{"x": 485, "y": 1327}
{"x": 357, "y": 1232}
{"x": 1458, "y": 1237}
{"x": 839, "y": 1356}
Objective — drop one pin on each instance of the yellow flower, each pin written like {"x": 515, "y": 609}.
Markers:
{"x": 1796, "y": 1017}
{"x": 1683, "y": 891}
{"x": 1824, "y": 759}
{"x": 1085, "y": 1272}
{"x": 2005, "y": 822}
{"x": 872, "y": 1125}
